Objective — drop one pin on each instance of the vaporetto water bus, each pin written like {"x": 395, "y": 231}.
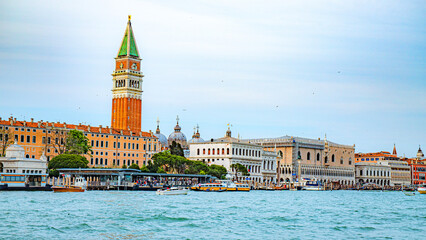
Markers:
{"x": 221, "y": 185}
{"x": 24, "y": 181}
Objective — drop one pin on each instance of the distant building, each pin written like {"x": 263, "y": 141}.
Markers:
{"x": 111, "y": 147}
{"x": 16, "y": 162}
{"x": 177, "y": 136}
{"x": 373, "y": 173}
{"x": 417, "y": 167}
{"x": 161, "y": 138}
{"x": 196, "y": 137}
{"x": 375, "y": 157}
{"x": 400, "y": 170}
{"x": 228, "y": 150}
{"x": 320, "y": 159}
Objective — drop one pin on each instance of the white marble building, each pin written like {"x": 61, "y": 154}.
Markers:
{"x": 228, "y": 150}
{"x": 16, "y": 162}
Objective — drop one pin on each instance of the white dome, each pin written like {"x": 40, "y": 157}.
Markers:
{"x": 176, "y": 136}
{"x": 15, "y": 151}
{"x": 161, "y": 138}
{"x": 196, "y": 140}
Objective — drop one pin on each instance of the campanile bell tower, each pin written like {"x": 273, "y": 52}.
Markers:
{"x": 127, "y": 85}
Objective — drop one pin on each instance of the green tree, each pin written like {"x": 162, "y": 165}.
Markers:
{"x": 144, "y": 169}
{"x": 77, "y": 143}
{"x": 176, "y": 149}
{"x": 124, "y": 166}
{"x": 237, "y": 167}
{"x": 53, "y": 173}
{"x": 68, "y": 161}
{"x": 161, "y": 170}
{"x": 217, "y": 171}
{"x": 6, "y": 139}
{"x": 134, "y": 166}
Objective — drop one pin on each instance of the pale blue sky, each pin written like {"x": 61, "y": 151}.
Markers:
{"x": 352, "y": 69}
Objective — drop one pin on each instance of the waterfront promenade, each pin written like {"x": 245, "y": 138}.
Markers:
{"x": 199, "y": 215}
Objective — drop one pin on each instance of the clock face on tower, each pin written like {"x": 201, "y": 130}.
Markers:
{"x": 134, "y": 66}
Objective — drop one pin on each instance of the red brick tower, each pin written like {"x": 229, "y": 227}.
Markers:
{"x": 127, "y": 85}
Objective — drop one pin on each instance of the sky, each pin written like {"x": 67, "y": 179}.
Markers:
{"x": 354, "y": 70}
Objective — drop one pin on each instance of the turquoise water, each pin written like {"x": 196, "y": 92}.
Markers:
{"x": 200, "y": 215}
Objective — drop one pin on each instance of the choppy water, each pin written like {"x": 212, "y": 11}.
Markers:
{"x": 199, "y": 215}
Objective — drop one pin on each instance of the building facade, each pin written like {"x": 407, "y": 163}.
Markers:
{"x": 15, "y": 161}
{"x": 110, "y": 147}
{"x": 228, "y": 150}
{"x": 375, "y": 157}
{"x": 373, "y": 173}
{"x": 319, "y": 159}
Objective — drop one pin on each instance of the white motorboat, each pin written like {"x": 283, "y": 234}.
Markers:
{"x": 409, "y": 193}
{"x": 313, "y": 185}
{"x": 173, "y": 191}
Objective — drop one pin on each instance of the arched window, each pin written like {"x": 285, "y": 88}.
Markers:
{"x": 308, "y": 156}
{"x": 341, "y": 160}
{"x": 96, "y": 161}
{"x": 298, "y": 155}
{"x": 208, "y": 151}
{"x": 318, "y": 156}
{"x": 280, "y": 154}
{"x": 101, "y": 161}
{"x": 326, "y": 159}
{"x": 198, "y": 151}
{"x": 332, "y": 158}
{"x": 213, "y": 151}
{"x": 27, "y": 156}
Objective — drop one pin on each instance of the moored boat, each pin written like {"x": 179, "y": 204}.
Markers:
{"x": 422, "y": 189}
{"x": 79, "y": 186}
{"x": 67, "y": 189}
{"x": 313, "y": 185}
{"x": 222, "y": 185}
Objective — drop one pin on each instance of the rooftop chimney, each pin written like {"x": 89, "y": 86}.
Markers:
{"x": 32, "y": 119}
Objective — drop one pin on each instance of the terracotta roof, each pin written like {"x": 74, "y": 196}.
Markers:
{"x": 84, "y": 128}
{"x": 376, "y": 154}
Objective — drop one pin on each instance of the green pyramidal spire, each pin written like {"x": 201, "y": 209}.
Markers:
{"x": 128, "y": 45}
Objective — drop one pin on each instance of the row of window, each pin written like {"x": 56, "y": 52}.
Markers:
{"x": 101, "y": 161}
{"x": 48, "y": 131}
{"x": 118, "y": 154}
{"x": 375, "y": 173}
{"x": 101, "y": 144}
{"x": 235, "y": 151}
{"x": 368, "y": 159}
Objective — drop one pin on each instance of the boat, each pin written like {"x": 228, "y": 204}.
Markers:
{"x": 408, "y": 191}
{"x": 225, "y": 185}
{"x": 24, "y": 182}
{"x": 173, "y": 191}
{"x": 79, "y": 186}
{"x": 422, "y": 189}
{"x": 313, "y": 185}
